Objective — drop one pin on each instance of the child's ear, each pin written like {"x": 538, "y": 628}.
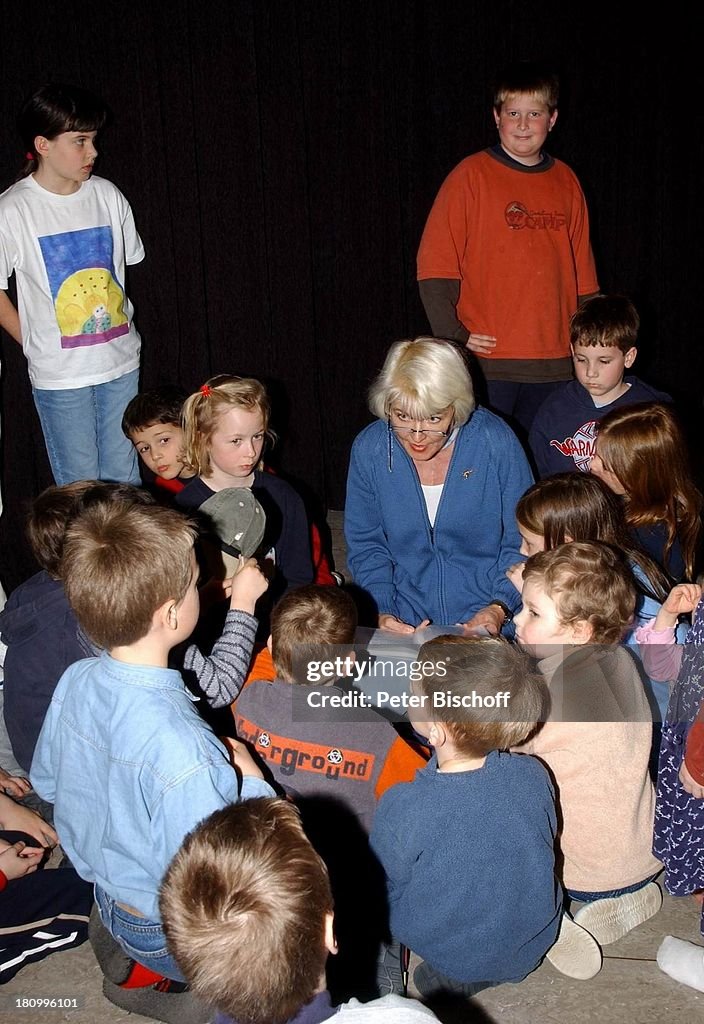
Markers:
{"x": 41, "y": 144}
{"x": 630, "y": 357}
{"x": 437, "y": 736}
{"x": 330, "y": 940}
{"x": 166, "y": 615}
{"x": 582, "y": 631}
{"x": 269, "y": 642}
{"x": 553, "y": 119}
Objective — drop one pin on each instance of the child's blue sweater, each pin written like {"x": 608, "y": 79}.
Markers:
{"x": 470, "y": 864}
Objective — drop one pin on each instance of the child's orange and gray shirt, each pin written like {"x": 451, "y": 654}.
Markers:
{"x": 350, "y": 754}
{"x": 517, "y": 240}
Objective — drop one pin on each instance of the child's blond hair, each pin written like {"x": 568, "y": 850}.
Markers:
{"x": 202, "y": 410}
{"x": 244, "y": 904}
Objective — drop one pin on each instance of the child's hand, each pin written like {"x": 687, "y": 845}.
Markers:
{"x": 19, "y": 860}
{"x": 481, "y": 344}
{"x": 248, "y": 584}
{"x": 16, "y": 818}
{"x": 515, "y": 575}
{"x": 14, "y": 785}
{"x": 681, "y": 600}
{"x": 241, "y": 758}
{"x": 689, "y": 785}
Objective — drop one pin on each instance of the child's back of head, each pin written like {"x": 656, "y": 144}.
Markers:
{"x": 122, "y": 562}
{"x": 246, "y": 906}
{"x": 311, "y": 623}
{"x": 485, "y": 694}
{"x": 55, "y": 508}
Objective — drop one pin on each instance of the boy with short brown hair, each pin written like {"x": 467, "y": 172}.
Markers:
{"x": 603, "y": 339}
{"x": 152, "y": 422}
{"x": 310, "y": 746}
{"x": 123, "y": 754}
{"x": 253, "y": 942}
{"x": 467, "y": 847}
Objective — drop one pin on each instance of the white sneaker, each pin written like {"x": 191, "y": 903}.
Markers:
{"x": 610, "y": 919}
{"x": 576, "y": 953}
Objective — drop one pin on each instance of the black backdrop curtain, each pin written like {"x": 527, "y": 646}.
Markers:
{"x": 281, "y": 156}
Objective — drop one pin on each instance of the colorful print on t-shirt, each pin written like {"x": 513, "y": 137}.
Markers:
{"x": 87, "y": 297}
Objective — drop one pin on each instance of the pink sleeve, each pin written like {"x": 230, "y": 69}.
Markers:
{"x": 660, "y": 654}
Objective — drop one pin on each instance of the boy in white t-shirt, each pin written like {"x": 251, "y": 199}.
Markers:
{"x": 67, "y": 236}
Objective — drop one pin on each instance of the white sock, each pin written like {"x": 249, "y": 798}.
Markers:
{"x": 683, "y": 961}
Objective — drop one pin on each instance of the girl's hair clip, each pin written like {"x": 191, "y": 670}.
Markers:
{"x": 29, "y": 156}
{"x": 206, "y": 390}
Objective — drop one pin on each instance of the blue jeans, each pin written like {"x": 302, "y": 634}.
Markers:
{"x": 83, "y": 431}
{"x": 141, "y": 939}
{"x": 518, "y": 400}
{"x": 591, "y": 897}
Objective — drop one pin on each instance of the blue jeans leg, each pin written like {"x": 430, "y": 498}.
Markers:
{"x": 591, "y": 897}
{"x": 519, "y": 401}
{"x": 141, "y": 939}
{"x": 82, "y": 431}
{"x": 117, "y": 456}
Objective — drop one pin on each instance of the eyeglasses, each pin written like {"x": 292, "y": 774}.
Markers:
{"x": 420, "y": 431}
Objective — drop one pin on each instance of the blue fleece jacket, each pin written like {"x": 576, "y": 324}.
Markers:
{"x": 563, "y": 434}
{"x": 448, "y": 572}
{"x": 469, "y": 863}
{"x": 43, "y": 639}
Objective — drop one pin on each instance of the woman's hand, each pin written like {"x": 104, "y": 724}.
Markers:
{"x": 690, "y": 785}
{"x": 490, "y": 618}
{"x": 394, "y": 625}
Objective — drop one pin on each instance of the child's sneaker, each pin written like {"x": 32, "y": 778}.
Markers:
{"x": 576, "y": 953}
{"x": 610, "y": 919}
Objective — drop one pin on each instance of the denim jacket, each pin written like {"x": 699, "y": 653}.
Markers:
{"x": 131, "y": 768}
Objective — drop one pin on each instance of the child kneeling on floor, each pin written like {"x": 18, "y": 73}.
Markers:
{"x": 468, "y": 846}
{"x": 248, "y": 912}
{"x": 124, "y": 756}
{"x": 578, "y": 601}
